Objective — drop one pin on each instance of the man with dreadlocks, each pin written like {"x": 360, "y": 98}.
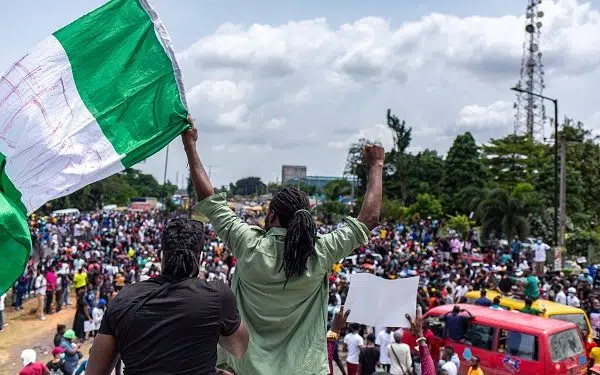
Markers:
{"x": 171, "y": 324}
{"x": 280, "y": 281}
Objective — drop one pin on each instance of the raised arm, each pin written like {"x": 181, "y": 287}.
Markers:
{"x": 371, "y": 208}
{"x": 202, "y": 185}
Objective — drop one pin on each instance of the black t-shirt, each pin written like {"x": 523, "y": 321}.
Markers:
{"x": 175, "y": 332}
{"x": 368, "y": 359}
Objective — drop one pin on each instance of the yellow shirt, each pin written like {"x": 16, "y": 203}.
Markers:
{"x": 595, "y": 355}
{"x": 80, "y": 280}
{"x": 337, "y": 268}
{"x": 477, "y": 371}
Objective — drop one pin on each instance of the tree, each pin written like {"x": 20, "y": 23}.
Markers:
{"x": 514, "y": 159}
{"x": 402, "y": 133}
{"x": 423, "y": 174}
{"x": 502, "y": 212}
{"x": 397, "y": 159}
{"x": 248, "y": 186}
{"x": 426, "y": 205}
{"x": 337, "y": 188}
{"x": 463, "y": 168}
{"x": 461, "y": 224}
{"x": 356, "y": 165}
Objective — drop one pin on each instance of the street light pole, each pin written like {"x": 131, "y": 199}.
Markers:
{"x": 557, "y": 201}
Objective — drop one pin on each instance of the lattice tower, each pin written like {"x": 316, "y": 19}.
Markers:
{"x": 530, "y": 113}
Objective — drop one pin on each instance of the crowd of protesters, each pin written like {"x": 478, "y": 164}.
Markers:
{"x": 87, "y": 260}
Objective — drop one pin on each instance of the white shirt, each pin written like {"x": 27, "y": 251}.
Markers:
{"x": 354, "y": 342}
{"x": 461, "y": 291}
{"x": 401, "y": 359}
{"x": 450, "y": 368}
{"x": 2, "y": 297}
{"x": 40, "y": 285}
{"x": 561, "y": 298}
{"x": 573, "y": 301}
{"x": 384, "y": 340}
{"x": 540, "y": 252}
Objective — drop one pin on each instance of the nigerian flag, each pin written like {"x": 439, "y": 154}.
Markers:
{"x": 94, "y": 98}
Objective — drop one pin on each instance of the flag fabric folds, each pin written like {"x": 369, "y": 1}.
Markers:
{"x": 97, "y": 96}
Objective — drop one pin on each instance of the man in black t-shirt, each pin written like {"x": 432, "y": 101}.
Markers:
{"x": 369, "y": 357}
{"x": 177, "y": 329}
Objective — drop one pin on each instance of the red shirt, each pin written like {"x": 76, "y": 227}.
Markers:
{"x": 409, "y": 339}
{"x": 36, "y": 368}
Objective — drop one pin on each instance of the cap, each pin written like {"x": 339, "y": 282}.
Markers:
{"x": 57, "y": 350}
{"x": 69, "y": 334}
{"x": 28, "y": 356}
{"x": 572, "y": 290}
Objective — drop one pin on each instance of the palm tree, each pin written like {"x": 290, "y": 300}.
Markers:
{"x": 503, "y": 212}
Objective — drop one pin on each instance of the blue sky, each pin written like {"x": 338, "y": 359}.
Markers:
{"x": 311, "y": 76}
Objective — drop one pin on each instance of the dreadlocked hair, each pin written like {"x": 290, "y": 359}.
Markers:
{"x": 182, "y": 244}
{"x": 291, "y": 206}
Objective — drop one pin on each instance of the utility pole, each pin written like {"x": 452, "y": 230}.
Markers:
{"x": 210, "y": 167}
{"x": 563, "y": 193}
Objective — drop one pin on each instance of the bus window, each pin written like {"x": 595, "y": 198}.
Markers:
{"x": 437, "y": 325}
{"x": 518, "y": 344}
{"x": 480, "y": 336}
{"x": 577, "y": 319}
{"x": 565, "y": 345}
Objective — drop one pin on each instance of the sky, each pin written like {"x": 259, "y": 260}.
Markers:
{"x": 296, "y": 82}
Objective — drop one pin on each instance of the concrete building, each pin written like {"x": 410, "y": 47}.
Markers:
{"x": 289, "y": 172}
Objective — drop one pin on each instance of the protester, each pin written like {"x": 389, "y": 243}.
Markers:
{"x": 353, "y": 342}
{"x": 474, "y": 369}
{"x": 455, "y": 323}
{"x": 368, "y": 358}
{"x": 56, "y": 366}
{"x": 384, "y": 339}
{"x": 401, "y": 359}
{"x": 337, "y": 325}
{"x": 528, "y": 309}
{"x": 60, "y": 331}
{"x": 483, "y": 300}
{"x": 450, "y": 361}
{"x": 71, "y": 351}
{"x": 161, "y": 317}
{"x": 285, "y": 265}
{"x": 30, "y": 366}
{"x": 2, "y": 299}
{"x": 40, "y": 292}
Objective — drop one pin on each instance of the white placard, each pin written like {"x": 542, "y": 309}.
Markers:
{"x": 375, "y": 301}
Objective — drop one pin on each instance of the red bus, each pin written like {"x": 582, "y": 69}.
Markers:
{"x": 509, "y": 342}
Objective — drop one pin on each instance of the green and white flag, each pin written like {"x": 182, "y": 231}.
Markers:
{"x": 94, "y": 98}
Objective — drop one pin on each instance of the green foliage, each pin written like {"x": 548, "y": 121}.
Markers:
{"x": 118, "y": 189}
{"x": 583, "y": 242}
{"x": 463, "y": 168}
{"x": 504, "y": 214}
{"x": 514, "y": 159}
{"x": 248, "y": 186}
{"x": 426, "y": 205}
{"x": 460, "y": 223}
{"x": 337, "y": 188}
{"x": 393, "y": 210}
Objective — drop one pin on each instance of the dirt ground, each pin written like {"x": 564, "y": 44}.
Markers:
{"x": 24, "y": 330}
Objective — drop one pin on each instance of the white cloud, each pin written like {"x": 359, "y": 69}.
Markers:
{"x": 475, "y": 117}
{"x": 268, "y": 86}
{"x": 377, "y": 133}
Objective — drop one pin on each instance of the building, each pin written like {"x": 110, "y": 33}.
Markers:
{"x": 289, "y": 172}
{"x": 318, "y": 181}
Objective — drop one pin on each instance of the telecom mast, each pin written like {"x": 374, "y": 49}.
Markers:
{"x": 530, "y": 113}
